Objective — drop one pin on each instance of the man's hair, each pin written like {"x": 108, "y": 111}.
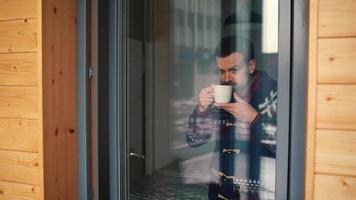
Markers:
{"x": 232, "y": 44}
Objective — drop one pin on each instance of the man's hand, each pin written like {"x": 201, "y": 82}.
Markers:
{"x": 241, "y": 109}
{"x": 206, "y": 98}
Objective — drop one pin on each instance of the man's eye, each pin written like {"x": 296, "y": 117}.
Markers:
{"x": 234, "y": 70}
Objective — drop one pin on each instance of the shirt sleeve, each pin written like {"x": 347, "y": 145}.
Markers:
{"x": 201, "y": 127}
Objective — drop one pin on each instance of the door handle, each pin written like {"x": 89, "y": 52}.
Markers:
{"x": 132, "y": 154}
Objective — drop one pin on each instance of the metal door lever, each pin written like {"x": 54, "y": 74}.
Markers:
{"x": 132, "y": 154}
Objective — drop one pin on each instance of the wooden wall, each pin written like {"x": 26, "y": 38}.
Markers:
{"x": 20, "y": 100}
{"x": 38, "y": 99}
{"x": 59, "y": 99}
{"x": 331, "y": 134}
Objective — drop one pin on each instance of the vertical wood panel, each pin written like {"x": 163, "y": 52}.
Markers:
{"x": 334, "y": 187}
{"x": 337, "y": 18}
{"x": 336, "y": 107}
{"x": 59, "y": 99}
{"x": 337, "y": 60}
{"x": 18, "y": 36}
{"x": 311, "y": 101}
{"x": 40, "y": 96}
{"x": 17, "y": 9}
{"x": 18, "y": 102}
{"x": 336, "y": 152}
{"x": 18, "y": 69}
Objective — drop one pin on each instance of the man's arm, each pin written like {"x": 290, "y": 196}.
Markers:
{"x": 201, "y": 127}
{"x": 201, "y": 123}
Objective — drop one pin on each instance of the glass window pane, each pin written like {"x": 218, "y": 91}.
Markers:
{"x": 202, "y": 99}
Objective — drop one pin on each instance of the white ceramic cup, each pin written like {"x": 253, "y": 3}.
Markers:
{"x": 222, "y": 93}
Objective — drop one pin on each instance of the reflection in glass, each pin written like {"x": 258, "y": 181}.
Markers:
{"x": 195, "y": 147}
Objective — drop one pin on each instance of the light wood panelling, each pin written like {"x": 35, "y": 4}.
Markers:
{"x": 18, "y": 102}
{"x": 334, "y": 187}
{"x": 20, "y": 167}
{"x": 17, "y": 9}
{"x": 337, "y": 18}
{"x": 18, "y": 69}
{"x": 336, "y": 107}
{"x": 17, "y": 191}
{"x": 336, "y": 152}
{"x": 19, "y": 134}
{"x": 331, "y": 119}
{"x": 337, "y": 60}
{"x": 18, "y": 36}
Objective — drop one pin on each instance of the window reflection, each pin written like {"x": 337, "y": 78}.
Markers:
{"x": 212, "y": 152}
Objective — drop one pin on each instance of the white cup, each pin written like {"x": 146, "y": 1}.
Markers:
{"x": 222, "y": 93}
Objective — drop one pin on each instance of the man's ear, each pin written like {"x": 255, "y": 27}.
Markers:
{"x": 252, "y": 66}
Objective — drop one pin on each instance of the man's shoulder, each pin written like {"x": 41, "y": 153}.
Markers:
{"x": 263, "y": 85}
{"x": 266, "y": 81}
{"x": 265, "y": 94}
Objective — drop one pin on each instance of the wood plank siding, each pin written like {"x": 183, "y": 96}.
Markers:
{"x": 331, "y": 187}
{"x": 335, "y": 152}
{"x": 336, "y": 18}
{"x": 331, "y": 120}
{"x": 336, "y": 106}
{"x": 15, "y": 191}
{"x": 38, "y": 104}
{"x": 337, "y": 58}
{"x": 18, "y": 9}
{"x": 18, "y": 36}
{"x": 19, "y": 134}
{"x": 21, "y": 159}
{"x": 18, "y": 69}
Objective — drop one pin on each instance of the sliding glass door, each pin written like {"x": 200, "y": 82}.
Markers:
{"x": 199, "y": 99}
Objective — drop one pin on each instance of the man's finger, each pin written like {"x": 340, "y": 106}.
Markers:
{"x": 210, "y": 89}
{"x": 206, "y": 96}
{"x": 224, "y": 105}
{"x": 220, "y": 105}
{"x": 208, "y": 99}
{"x": 229, "y": 109}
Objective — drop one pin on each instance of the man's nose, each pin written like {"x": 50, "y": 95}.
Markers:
{"x": 227, "y": 77}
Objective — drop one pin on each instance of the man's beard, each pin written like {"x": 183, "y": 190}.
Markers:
{"x": 227, "y": 83}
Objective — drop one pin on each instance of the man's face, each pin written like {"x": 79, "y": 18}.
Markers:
{"x": 235, "y": 71}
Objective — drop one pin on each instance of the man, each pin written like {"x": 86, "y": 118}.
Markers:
{"x": 239, "y": 126}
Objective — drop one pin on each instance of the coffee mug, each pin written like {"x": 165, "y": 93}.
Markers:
{"x": 222, "y": 93}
